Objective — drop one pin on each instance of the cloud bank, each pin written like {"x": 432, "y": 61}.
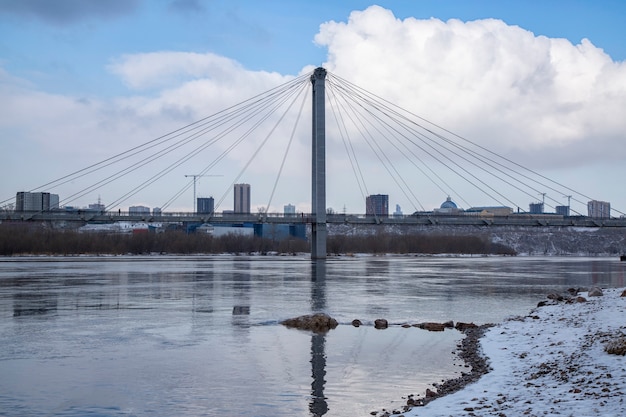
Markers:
{"x": 496, "y": 84}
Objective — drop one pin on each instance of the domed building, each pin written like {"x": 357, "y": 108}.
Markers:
{"x": 448, "y": 207}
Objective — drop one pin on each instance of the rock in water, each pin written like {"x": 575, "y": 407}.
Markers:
{"x": 318, "y": 323}
{"x": 433, "y": 327}
{"x": 381, "y": 323}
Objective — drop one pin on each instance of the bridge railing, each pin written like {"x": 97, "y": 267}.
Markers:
{"x": 514, "y": 219}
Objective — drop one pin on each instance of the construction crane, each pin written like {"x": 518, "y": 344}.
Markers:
{"x": 195, "y": 177}
{"x": 569, "y": 198}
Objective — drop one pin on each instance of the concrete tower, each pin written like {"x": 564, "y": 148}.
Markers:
{"x": 318, "y": 179}
{"x": 242, "y": 198}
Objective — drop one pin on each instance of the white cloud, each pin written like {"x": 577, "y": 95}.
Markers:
{"x": 159, "y": 69}
{"x": 496, "y": 84}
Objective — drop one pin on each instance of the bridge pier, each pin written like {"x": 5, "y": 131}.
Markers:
{"x": 318, "y": 166}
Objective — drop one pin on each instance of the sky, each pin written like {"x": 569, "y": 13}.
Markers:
{"x": 543, "y": 83}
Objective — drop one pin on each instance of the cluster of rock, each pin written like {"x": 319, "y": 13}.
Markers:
{"x": 572, "y": 296}
{"x": 322, "y": 323}
{"x": 430, "y": 326}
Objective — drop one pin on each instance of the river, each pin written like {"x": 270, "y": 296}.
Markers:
{"x": 200, "y": 335}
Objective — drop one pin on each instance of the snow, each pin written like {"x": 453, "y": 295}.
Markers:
{"x": 551, "y": 362}
{"x": 117, "y": 227}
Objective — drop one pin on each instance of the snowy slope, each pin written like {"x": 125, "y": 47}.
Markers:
{"x": 552, "y": 362}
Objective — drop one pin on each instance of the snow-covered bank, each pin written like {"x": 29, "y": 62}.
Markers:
{"x": 552, "y": 362}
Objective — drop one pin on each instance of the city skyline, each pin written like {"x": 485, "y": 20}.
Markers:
{"x": 542, "y": 84}
{"x": 375, "y": 205}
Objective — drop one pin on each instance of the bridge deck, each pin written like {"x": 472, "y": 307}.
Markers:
{"x": 545, "y": 220}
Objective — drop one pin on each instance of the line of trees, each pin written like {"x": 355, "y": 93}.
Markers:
{"x": 416, "y": 243}
{"x": 25, "y": 239}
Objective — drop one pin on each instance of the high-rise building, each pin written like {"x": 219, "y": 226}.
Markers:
{"x": 535, "y": 208}
{"x": 242, "y": 198}
{"x": 26, "y": 201}
{"x": 206, "y": 205}
{"x": 377, "y": 205}
{"x": 562, "y": 210}
{"x": 289, "y": 210}
{"x": 599, "y": 209}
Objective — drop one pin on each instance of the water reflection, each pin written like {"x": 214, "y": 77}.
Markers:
{"x": 241, "y": 281}
{"x": 28, "y": 304}
{"x": 203, "y": 291}
{"x": 318, "y": 405}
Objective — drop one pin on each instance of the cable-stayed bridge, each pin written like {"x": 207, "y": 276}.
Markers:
{"x": 382, "y": 143}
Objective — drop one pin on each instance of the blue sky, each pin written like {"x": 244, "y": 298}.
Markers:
{"x": 67, "y": 49}
{"x": 81, "y": 50}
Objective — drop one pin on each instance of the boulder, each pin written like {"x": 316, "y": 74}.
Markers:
{"x": 595, "y": 292}
{"x": 623, "y": 294}
{"x": 318, "y": 323}
{"x": 381, "y": 323}
{"x": 616, "y": 346}
{"x": 460, "y": 326}
{"x": 432, "y": 327}
{"x": 356, "y": 322}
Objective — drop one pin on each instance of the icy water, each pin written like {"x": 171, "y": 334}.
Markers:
{"x": 200, "y": 335}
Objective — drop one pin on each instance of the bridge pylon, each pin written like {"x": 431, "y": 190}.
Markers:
{"x": 318, "y": 175}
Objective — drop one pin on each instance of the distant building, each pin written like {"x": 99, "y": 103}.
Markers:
{"x": 97, "y": 206}
{"x": 599, "y": 209}
{"x": 535, "y": 208}
{"x": 242, "y": 198}
{"x": 289, "y": 210}
{"x": 489, "y": 210}
{"x": 27, "y": 201}
{"x": 206, "y": 205}
{"x": 156, "y": 211}
{"x": 377, "y": 205}
{"x": 562, "y": 210}
{"x": 448, "y": 207}
{"x": 138, "y": 210}
{"x": 218, "y": 230}
{"x": 398, "y": 211}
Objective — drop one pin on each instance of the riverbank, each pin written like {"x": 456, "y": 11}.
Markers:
{"x": 563, "y": 358}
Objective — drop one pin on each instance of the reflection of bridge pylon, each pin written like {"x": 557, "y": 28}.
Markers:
{"x": 318, "y": 163}
{"x": 318, "y": 405}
